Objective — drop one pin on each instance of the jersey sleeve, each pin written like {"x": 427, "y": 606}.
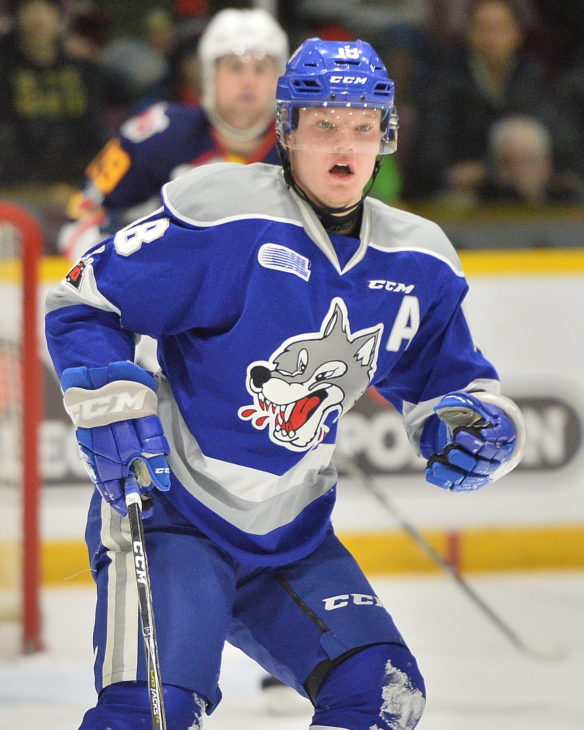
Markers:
{"x": 135, "y": 164}
{"x": 442, "y": 357}
{"x": 148, "y": 279}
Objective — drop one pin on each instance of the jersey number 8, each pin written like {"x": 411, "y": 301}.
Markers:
{"x": 130, "y": 239}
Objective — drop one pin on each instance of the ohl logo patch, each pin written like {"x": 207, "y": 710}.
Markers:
{"x": 311, "y": 379}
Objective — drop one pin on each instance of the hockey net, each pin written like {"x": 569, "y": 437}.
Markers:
{"x": 20, "y": 414}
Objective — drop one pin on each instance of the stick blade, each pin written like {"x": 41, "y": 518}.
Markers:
{"x": 546, "y": 652}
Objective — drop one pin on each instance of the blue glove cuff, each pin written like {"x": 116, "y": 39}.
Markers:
{"x": 94, "y": 378}
{"x": 432, "y": 434}
{"x": 114, "y": 409}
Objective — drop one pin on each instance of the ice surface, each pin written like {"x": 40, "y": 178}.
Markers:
{"x": 476, "y": 679}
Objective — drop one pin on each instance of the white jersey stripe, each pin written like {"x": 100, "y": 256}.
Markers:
{"x": 122, "y": 632}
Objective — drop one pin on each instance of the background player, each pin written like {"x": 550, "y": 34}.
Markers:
{"x": 242, "y": 53}
{"x": 260, "y": 286}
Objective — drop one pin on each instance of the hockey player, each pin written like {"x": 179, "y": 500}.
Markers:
{"x": 242, "y": 53}
{"x": 277, "y": 296}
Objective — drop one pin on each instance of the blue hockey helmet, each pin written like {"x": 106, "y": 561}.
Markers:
{"x": 336, "y": 74}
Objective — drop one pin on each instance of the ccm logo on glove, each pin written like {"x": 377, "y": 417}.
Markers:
{"x": 113, "y": 402}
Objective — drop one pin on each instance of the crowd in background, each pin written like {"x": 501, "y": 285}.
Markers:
{"x": 490, "y": 93}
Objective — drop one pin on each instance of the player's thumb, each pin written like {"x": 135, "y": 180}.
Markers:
{"x": 152, "y": 470}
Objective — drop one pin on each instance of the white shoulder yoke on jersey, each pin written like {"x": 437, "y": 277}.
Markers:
{"x": 226, "y": 192}
{"x": 222, "y": 192}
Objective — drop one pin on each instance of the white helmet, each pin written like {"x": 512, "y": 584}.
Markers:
{"x": 232, "y": 31}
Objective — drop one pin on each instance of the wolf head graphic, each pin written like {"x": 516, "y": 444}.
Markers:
{"x": 310, "y": 377}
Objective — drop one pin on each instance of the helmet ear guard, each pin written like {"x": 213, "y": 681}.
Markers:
{"x": 389, "y": 137}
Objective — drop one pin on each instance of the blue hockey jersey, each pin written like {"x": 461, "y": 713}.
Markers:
{"x": 269, "y": 330}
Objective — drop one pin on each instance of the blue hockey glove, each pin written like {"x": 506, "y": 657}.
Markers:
{"x": 474, "y": 441}
{"x": 114, "y": 409}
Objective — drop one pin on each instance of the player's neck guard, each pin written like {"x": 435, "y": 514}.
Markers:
{"x": 346, "y": 225}
{"x": 334, "y": 220}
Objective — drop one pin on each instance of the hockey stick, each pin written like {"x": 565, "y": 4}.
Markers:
{"x": 134, "y": 504}
{"x": 548, "y": 653}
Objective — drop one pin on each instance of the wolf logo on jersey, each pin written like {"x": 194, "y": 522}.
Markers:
{"x": 310, "y": 377}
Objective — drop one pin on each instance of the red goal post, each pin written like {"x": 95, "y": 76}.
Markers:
{"x": 21, "y": 407}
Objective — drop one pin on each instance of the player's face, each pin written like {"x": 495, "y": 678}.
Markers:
{"x": 245, "y": 87}
{"x": 333, "y": 152}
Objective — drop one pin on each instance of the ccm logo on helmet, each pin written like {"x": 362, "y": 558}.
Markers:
{"x": 348, "y": 80}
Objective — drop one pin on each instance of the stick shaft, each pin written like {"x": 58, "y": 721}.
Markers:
{"x": 436, "y": 558}
{"x": 133, "y": 502}
{"x": 439, "y": 560}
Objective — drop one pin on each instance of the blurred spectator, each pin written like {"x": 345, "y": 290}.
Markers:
{"x": 450, "y": 16}
{"x": 50, "y": 117}
{"x": 241, "y": 53}
{"x": 560, "y": 33}
{"x": 160, "y": 64}
{"x": 5, "y": 19}
{"x": 571, "y": 92}
{"x": 159, "y": 29}
{"x": 89, "y": 29}
{"x": 182, "y": 83}
{"x": 371, "y": 19}
{"x": 406, "y": 55}
{"x": 186, "y": 10}
{"x": 522, "y": 170}
{"x": 488, "y": 76}
{"x": 133, "y": 64}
